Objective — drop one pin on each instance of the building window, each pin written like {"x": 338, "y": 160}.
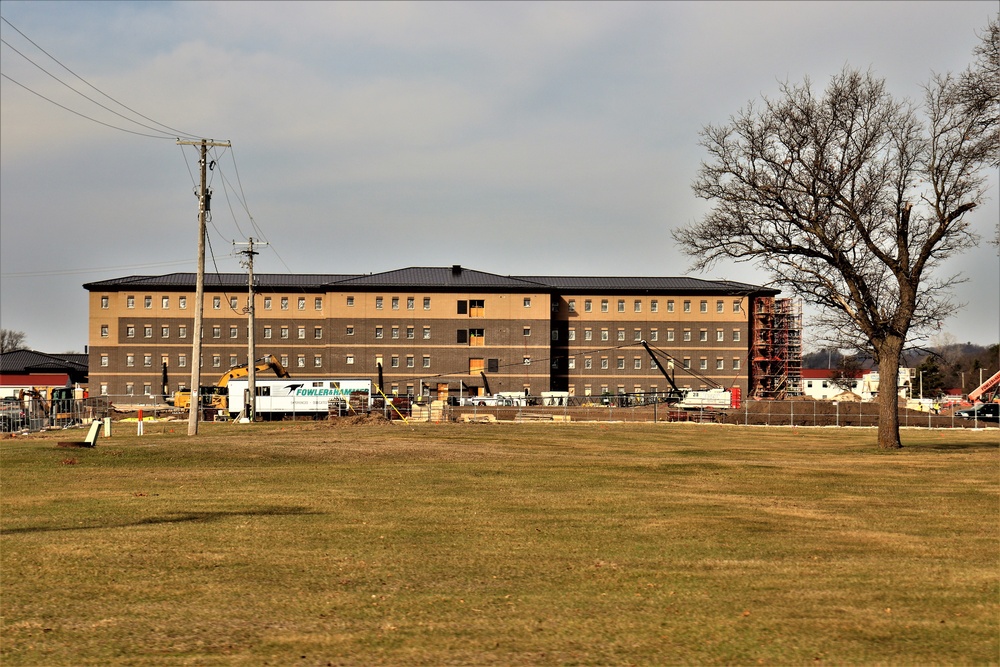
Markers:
{"x": 736, "y": 306}
{"x": 233, "y": 303}
{"x": 216, "y": 332}
{"x": 527, "y": 331}
{"x": 588, "y": 363}
{"x": 654, "y": 335}
{"x": 427, "y": 303}
{"x": 318, "y": 361}
{"x": 604, "y": 305}
{"x": 350, "y": 302}
{"x": 147, "y": 331}
{"x": 302, "y": 333}
{"x": 104, "y": 302}
{"x": 284, "y": 360}
{"x": 395, "y": 303}
{"x": 349, "y": 360}
{"x": 654, "y": 306}
{"x": 571, "y": 363}
{"x": 182, "y": 361}
{"x": 233, "y": 361}
{"x": 284, "y": 333}
{"x": 318, "y": 333}
{"x": 687, "y": 306}
{"x": 637, "y": 335}
{"x": 703, "y": 335}
{"x": 477, "y": 308}
{"x": 637, "y": 363}
{"x": 300, "y": 361}
{"x": 621, "y": 335}
{"x": 182, "y": 302}
{"x": 527, "y": 360}
{"x": 588, "y": 306}
{"x": 147, "y": 302}
{"x": 104, "y": 360}
{"x": 267, "y": 303}
{"x": 427, "y": 361}
{"x": 378, "y": 332}
{"x": 284, "y": 303}
{"x": 216, "y": 361}
{"x": 104, "y": 331}
{"x": 477, "y": 337}
{"x": 427, "y": 333}
{"x": 604, "y": 334}
{"x": 378, "y": 303}
{"x": 670, "y": 335}
{"x": 302, "y": 303}
{"x": 621, "y": 363}
{"x": 165, "y": 302}
{"x": 409, "y": 361}
{"x": 703, "y": 364}
{"x": 703, "y": 306}
{"x": 234, "y": 332}
{"x": 395, "y": 333}
{"x": 165, "y": 332}
{"x": 129, "y": 388}
{"x": 267, "y": 332}
{"x": 146, "y": 389}
{"x": 130, "y": 302}
{"x": 555, "y": 334}
{"x": 318, "y": 303}
{"x": 720, "y": 336}
{"x": 182, "y": 331}
{"x": 147, "y": 360}
{"x": 720, "y": 307}
{"x": 588, "y": 334}
{"x": 687, "y": 363}
{"x": 527, "y": 302}
{"x": 409, "y": 333}
{"x": 720, "y": 365}
{"x": 670, "y": 305}
{"x": 216, "y": 303}
{"x": 621, "y": 305}
{"x": 130, "y": 360}
{"x": 350, "y": 330}
{"x": 637, "y": 306}
{"x": 130, "y": 331}
{"x": 736, "y": 335}
{"x": 409, "y": 303}
{"x": 687, "y": 335}
{"x": 572, "y": 305}
{"x": 604, "y": 363}
{"x": 572, "y": 334}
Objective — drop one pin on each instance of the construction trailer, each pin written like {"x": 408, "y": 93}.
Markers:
{"x": 290, "y": 397}
{"x": 776, "y": 350}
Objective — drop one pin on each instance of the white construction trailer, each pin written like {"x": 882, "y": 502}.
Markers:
{"x": 289, "y": 397}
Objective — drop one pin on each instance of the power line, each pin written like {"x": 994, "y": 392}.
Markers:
{"x": 173, "y": 131}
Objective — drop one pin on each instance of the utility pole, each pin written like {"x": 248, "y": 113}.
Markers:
{"x": 204, "y": 206}
{"x": 251, "y": 400}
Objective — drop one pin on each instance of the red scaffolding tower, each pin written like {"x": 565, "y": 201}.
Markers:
{"x": 776, "y": 353}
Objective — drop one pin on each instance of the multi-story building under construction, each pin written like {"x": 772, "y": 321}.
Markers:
{"x": 440, "y": 330}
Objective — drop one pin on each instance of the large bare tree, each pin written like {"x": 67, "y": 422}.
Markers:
{"x": 11, "y": 340}
{"x": 850, "y": 199}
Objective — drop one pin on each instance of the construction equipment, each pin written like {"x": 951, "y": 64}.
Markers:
{"x": 676, "y": 394}
{"x": 215, "y": 396}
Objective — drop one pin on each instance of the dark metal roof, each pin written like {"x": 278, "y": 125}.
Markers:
{"x": 443, "y": 278}
{"x": 29, "y": 361}
{"x": 455, "y": 277}
{"x": 632, "y": 284}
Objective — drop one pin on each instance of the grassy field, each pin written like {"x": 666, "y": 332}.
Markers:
{"x": 577, "y": 544}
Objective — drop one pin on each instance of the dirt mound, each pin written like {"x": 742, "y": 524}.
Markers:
{"x": 370, "y": 419}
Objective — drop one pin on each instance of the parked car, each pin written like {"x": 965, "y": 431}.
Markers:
{"x": 12, "y": 416}
{"x": 984, "y": 412}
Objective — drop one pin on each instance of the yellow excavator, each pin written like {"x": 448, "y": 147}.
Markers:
{"x": 214, "y": 396}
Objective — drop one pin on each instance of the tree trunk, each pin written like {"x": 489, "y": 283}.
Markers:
{"x": 888, "y": 394}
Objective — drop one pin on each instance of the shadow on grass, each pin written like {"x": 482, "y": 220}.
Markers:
{"x": 957, "y": 446}
{"x": 177, "y": 517}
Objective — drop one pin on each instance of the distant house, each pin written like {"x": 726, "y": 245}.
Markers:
{"x": 818, "y": 383}
{"x": 24, "y": 369}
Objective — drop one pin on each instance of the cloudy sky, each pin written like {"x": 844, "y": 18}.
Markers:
{"x": 513, "y": 138}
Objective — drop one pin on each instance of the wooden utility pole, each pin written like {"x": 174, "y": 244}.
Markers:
{"x": 251, "y": 401}
{"x": 204, "y": 206}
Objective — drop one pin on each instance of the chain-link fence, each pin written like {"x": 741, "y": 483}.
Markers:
{"x": 34, "y": 415}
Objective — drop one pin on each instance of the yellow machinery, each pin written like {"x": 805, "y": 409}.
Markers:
{"x": 214, "y": 396}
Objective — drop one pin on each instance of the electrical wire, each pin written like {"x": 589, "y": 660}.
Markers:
{"x": 173, "y": 131}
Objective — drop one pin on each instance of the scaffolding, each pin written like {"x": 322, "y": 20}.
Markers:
{"x": 776, "y": 353}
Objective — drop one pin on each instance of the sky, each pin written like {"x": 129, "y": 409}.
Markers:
{"x": 514, "y": 138}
